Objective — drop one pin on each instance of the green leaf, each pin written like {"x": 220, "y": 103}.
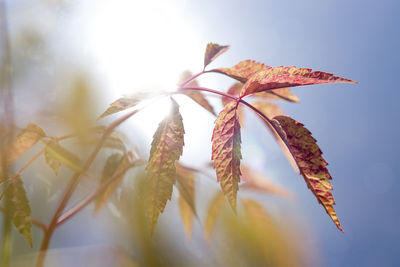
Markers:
{"x": 114, "y": 164}
{"x": 56, "y": 155}
{"x": 213, "y": 51}
{"x": 226, "y": 151}
{"x": 213, "y": 211}
{"x": 20, "y": 208}
{"x": 186, "y": 184}
{"x": 166, "y": 148}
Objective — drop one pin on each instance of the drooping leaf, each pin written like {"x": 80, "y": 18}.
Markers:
{"x": 166, "y": 148}
{"x": 280, "y": 77}
{"x": 226, "y": 151}
{"x": 243, "y": 70}
{"x": 186, "y": 184}
{"x": 124, "y": 103}
{"x": 213, "y": 211}
{"x": 56, "y": 155}
{"x": 282, "y": 93}
{"x": 309, "y": 159}
{"x": 259, "y": 182}
{"x": 20, "y": 208}
{"x": 213, "y": 51}
{"x": 187, "y": 216}
{"x": 24, "y": 141}
{"x": 268, "y": 109}
{"x": 196, "y": 96}
{"x": 114, "y": 164}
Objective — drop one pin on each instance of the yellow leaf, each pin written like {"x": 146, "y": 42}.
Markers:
{"x": 166, "y": 148}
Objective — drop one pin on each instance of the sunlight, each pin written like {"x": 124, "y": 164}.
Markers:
{"x": 142, "y": 45}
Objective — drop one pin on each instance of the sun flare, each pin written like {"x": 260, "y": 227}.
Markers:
{"x": 142, "y": 46}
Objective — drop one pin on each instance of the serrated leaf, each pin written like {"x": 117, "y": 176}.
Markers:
{"x": 56, "y": 155}
{"x": 114, "y": 164}
{"x": 226, "y": 151}
{"x": 166, "y": 148}
{"x": 280, "y": 77}
{"x": 268, "y": 109}
{"x": 213, "y": 211}
{"x": 186, "y": 184}
{"x": 282, "y": 93}
{"x": 24, "y": 141}
{"x": 187, "y": 216}
{"x": 243, "y": 70}
{"x": 124, "y": 103}
{"x": 213, "y": 51}
{"x": 20, "y": 208}
{"x": 234, "y": 90}
{"x": 259, "y": 182}
{"x": 309, "y": 159}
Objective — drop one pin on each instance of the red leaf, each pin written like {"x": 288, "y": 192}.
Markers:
{"x": 268, "y": 109}
{"x": 280, "y": 77}
{"x": 309, "y": 159}
{"x": 282, "y": 93}
{"x": 243, "y": 70}
{"x": 213, "y": 51}
{"x": 226, "y": 151}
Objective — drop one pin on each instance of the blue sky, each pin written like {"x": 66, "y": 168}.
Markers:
{"x": 356, "y": 125}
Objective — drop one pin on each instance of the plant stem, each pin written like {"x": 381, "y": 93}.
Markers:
{"x": 194, "y": 88}
{"x": 94, "y": 195}
{"x": 26, "y": 165}
{"x": 192, "y": 78}
{"x": 71, "y": 188}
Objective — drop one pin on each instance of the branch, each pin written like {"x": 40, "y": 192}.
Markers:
{"x": 94, "y": 195}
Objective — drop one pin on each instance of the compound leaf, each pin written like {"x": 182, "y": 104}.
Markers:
{"x": 226, "y": 151}
{"x": 213, "y": 51}
{"x": 166, "y": 148}
{"x": 20, "y": 208}
{"x": 280, "y": 77}
{"x": 310, "y": 162}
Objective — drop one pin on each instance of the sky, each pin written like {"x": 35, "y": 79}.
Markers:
{"x": 136, "y": 45}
